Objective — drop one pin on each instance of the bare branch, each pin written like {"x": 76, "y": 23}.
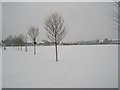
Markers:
{"x": 54, "y": 25}
{"x": 33, "y": 33}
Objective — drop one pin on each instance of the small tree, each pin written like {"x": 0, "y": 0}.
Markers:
{"x": 33, "y": 33}
{"x": 54, "y": 25}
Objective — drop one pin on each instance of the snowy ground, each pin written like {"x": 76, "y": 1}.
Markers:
{"x": 78, "y": 67}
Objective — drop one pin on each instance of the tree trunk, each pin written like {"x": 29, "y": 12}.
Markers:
{"x": 34, "y": 49}
{"x": 56, "y": 53}
{"x": 21, "y": 48}
{"x": 26, "y": 48}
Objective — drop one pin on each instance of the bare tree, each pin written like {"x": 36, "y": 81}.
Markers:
{"x": 33, "y": 33}
{"x": 116, "y": 15}
{"x": 56, "y": 30}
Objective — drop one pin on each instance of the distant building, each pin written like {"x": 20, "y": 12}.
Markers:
{"x": 46, "y": 43}
{"x": 116, "y": 41}
{"x": 93, "y": 42}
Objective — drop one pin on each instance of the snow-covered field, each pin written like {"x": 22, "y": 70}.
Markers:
{"x": 78, "y": 67}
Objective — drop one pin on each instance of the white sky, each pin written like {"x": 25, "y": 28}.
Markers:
{"x": 84, "y": 20}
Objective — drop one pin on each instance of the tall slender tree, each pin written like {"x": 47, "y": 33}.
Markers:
{"x": 33, "y": 34}
{"x": 56, "y": 31}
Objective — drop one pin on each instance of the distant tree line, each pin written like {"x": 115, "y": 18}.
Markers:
{"x": 92, "y": 42}
{"x": 20, "y": 41}
{"x": 14, "y": 40}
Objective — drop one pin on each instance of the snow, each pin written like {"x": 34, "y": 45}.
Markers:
{"x": 78, "y": 67}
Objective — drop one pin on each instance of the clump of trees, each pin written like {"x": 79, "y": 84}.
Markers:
{"x": 54, "y": 25}
{"x": 19, "y": 41}
{"x": 14, "y": 41}
{"x": 8, "y": 41}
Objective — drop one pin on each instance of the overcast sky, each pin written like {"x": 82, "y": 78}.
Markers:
{"x": 84, "y": 20}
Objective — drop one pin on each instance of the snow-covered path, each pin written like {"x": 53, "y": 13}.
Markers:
{"x": 78, "y": 67}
